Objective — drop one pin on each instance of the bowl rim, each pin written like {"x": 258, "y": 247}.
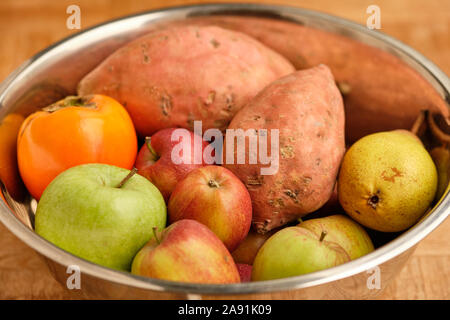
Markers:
{"x": 382, "y": 254}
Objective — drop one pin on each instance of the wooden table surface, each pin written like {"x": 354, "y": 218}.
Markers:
{"x": 29, "y": 26}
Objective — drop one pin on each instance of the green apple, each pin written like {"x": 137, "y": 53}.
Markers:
{"x": 101, "y": 213}
{"x": 295, "y": 251}
{"x": 343, "y": 231}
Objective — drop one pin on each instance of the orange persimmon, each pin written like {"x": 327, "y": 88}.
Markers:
{"x": 74, "y": 131}
{"x": 9, "y": 173}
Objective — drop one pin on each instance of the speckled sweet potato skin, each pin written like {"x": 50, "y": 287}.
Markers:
{"x": 176, "y": 75}
{"x": 307, "y": 108}
{"x": 381, "y": 92}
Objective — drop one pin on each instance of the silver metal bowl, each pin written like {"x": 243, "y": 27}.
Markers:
{"x": 55, "y": 72}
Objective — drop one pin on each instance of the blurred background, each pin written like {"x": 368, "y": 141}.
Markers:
{"x": 30, "y": 26}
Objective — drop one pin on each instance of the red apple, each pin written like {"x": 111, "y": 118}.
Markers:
{"x": 155, "y": 160}
{"x": 215, "y": 197}
{"x": 245, "y": 272}
{"x": 186, "y": 251}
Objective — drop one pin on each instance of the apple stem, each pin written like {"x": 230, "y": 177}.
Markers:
{"x": 300, "y": 220}
{"x": 128, "y": 177}
{"x": 156, "y": 235}
{"x": 148, "y": 142}
{"x": 322, "y": 235}
{"x": 213, "y": 184}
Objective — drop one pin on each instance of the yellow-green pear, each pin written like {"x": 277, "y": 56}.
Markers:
{"x": 409, "y": 134}
{"x": 387, "y": 181}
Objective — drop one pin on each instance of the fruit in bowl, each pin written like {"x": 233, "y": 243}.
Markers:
{"x": 295, "y": 251}
{"x": 215, "y": 197}
{"x": 186, "y": 251}
{"x": 312, "y": 245}
{"x": 387, "y": 181}
{"x": 101, "y": 213}
{"x": 156, "y": 159}
{"x": 343, "y": 231}
{"x": 70, "y": 132}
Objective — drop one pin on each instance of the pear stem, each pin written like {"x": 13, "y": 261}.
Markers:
{"x": 156, "y": 235}
{"x": 148, "y": 142}
{"x": 322, "y": 235}
{"x": 128, "y": 177}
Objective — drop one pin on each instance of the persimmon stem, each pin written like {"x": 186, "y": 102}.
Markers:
{"x": 128, "y": 177}
{"x": 72, "y": 101}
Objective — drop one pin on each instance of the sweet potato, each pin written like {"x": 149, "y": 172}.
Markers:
{"x": 307, "y": 109}
{"x": 380, "y": 92}
{"x": 173, "y": 76}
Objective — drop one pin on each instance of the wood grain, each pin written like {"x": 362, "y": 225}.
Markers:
{"x": 30, "y": 26}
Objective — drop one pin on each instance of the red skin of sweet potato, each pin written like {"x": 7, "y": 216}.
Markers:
{"x": 381, "y": 92}
{"x": 173, "y": 76}
{"x": 307, "y": 108}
